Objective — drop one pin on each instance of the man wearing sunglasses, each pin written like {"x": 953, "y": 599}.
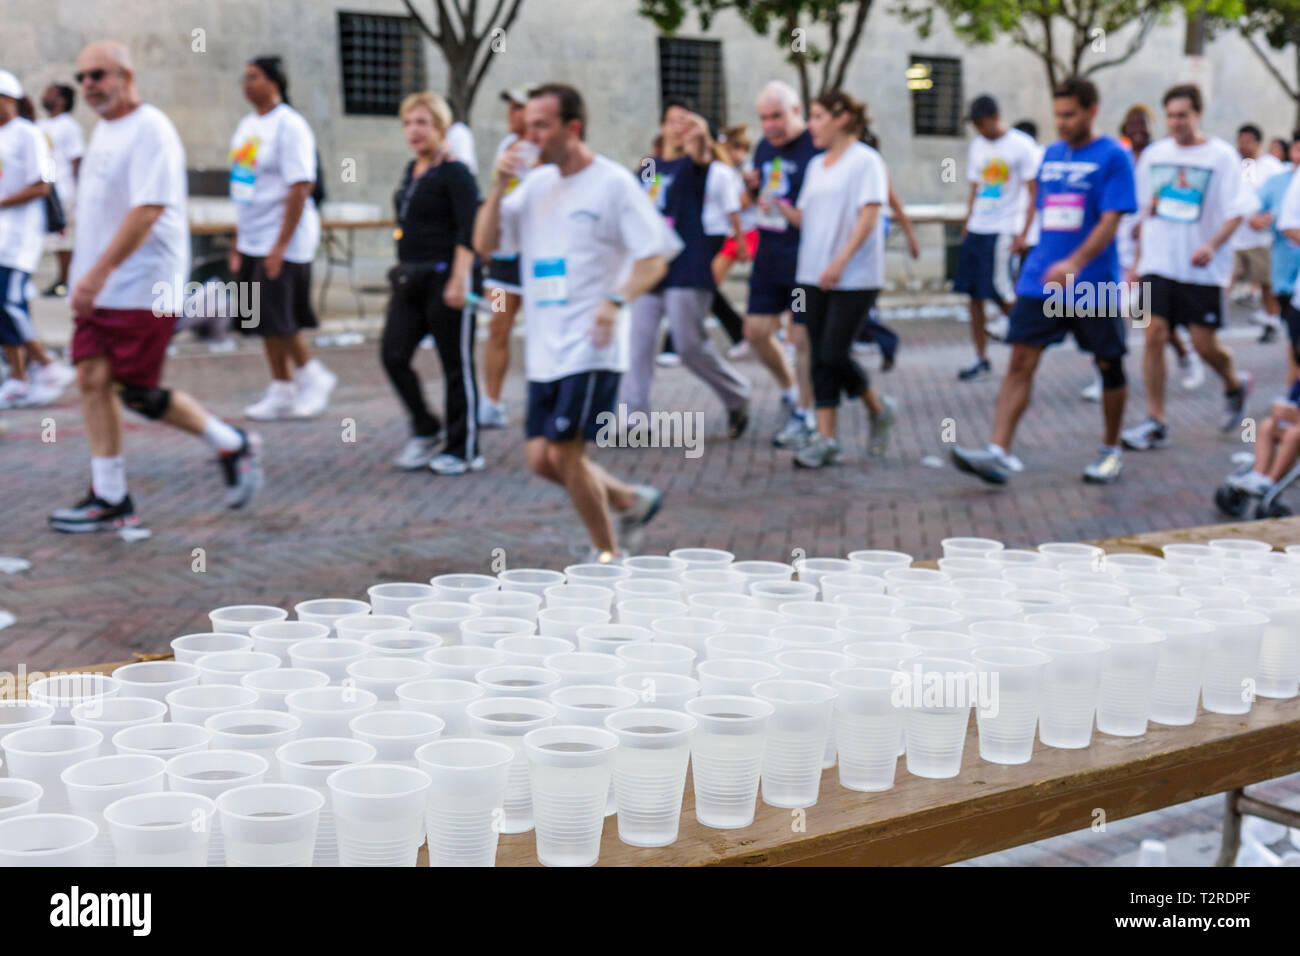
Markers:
{"x": 128, "y": 273}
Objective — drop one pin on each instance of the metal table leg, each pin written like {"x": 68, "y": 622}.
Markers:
{"x": 1231, "y": 828}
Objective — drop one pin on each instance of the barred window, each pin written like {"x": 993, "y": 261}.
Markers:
{"x": 382, "y": 58}
{"x": 692, "y": 69}
{"x": 935, "y": 84}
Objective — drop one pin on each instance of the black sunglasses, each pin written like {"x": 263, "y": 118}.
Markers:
{"x": 93, "y": 75}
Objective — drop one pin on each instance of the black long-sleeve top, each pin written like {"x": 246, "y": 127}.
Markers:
{"x": 435, "y": 214}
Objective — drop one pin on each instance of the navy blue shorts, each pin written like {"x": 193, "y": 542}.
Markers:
{"x": 770, "y": 298}
{"x": 1032, "y": 323}
{"x": 1291, "y": 316}
{"x": 984, "y": 267}
{"x": 570, "y": 406}
{"x": 15, "y": 320}
{"x": 504, "y": 274}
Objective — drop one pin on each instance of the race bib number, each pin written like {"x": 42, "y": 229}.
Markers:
{"x": 1180, "y": 191}
{"x": 242, "y": 181}
{"x": 1063, "y": 212}
{"x": 550, "y": 280}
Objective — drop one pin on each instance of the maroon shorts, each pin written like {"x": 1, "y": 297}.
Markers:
{"x": 134, "y": 340}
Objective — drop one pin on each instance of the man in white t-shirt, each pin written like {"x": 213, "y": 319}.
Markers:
{"x": 589, "y": 241}
{"x": 67, "y": 144}
{"x": 1191, "y": 202}
{"x": 1001, "y": 166}
{"x": 1251, "y": 247}
{"x": 128, "y": 275}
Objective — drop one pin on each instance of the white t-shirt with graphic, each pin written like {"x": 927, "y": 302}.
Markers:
{"x": 268, "y": 154}
{"x": 1255, "y": 173}
{"x": 24, "y": 159}
{"x": 460, "y": 142}
{"x": 1000, "y": 168}
{"x": 1185, "y": 194}
{"x": 578, "y": 237}
{"x": 722, "y": 189}
{"x": 67, "y": 144}
{"x": 831, "y": 199}
{"x": 136, "y": 160}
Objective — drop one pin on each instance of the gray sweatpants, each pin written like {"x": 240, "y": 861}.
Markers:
{"x": 686, "y": 310}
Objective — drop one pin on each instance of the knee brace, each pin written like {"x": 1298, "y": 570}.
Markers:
{"x": 1112, "y": 374}
{"x": 149, "y": 402}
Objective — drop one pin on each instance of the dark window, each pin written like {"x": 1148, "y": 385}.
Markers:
{"x": 382, "y": 59}
{"x": 692, "y": 69}
{"x": 935, "y": 84}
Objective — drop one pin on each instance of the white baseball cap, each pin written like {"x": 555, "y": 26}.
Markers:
{"x": 9, "y": 85}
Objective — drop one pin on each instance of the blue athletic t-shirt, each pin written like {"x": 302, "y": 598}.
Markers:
{"x": 1075, "y": 186}
{"x": 1285, "y": 260}
{"x": 781, "y": 170}
{"x": 677, "y": 191}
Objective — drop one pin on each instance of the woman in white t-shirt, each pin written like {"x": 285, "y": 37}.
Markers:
{"x": 841, "y": 267}
{"x": 272, "y": 177}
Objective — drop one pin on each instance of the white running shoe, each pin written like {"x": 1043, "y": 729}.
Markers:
{"x": 492, "y": 414}
{"x": 56, "y": 376}
{"x": 275, "y": 405}
{"x": 738, "y": 351}
{"x": 446, "y": 464}
{"x": 417, "y": 453}
{"x": 1092, "y": 391}
{"x": 1193, "y": 371}
{"x": 1251, "y": 483}
{"x": 13, "y": 393}
{"x": 668, "y": 360}
{"x": 314, "y": 390}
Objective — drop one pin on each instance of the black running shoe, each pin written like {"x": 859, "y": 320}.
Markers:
{"x": 737, "y": 421}
{"x": 93, "y": 513}
{"x": 242, "y": 470}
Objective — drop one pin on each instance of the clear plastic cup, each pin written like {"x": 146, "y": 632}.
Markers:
{"x": 270, "y": 824}
{"x": 588, "y": 705}
{"x": 705, "y": 603}
{"x": 654, "y": 747}
{"x": 1056, "y": 623}
{"x": 155, "y": 679}
{"x": 65, "y": 691}
{"x": 93, "y": 784}
{"x": 1236, "y": 547}
{"x": 1128, "y": 674}
{"x": 930, "y": 619}
{"x": 378, "y": 813}
{"x": 1039, "y": 600}
{"x": 1011, "y": 692}
{"x": 42, "y": 753}
{"x": 517, "y": 680}
{"x": 161, "y": 829}
{"x": 188, "y": 648}
{"x": 1164, "y": 605}
{"x": 938, "y": 695}
{"x": 465, "y": 800}
{"x": 927, "y": 595}
{"x": 397, "y": 597}
{"x": 326, "y": 711}
{"x": 278, "y": 636}
{"x": 461, "y": 662}
{"x": 751, "y": 646}
{"x": 957, "y": 568}
{"x": 570, "y": 769}
{"x": 308, "y": 763}
{"x": 580, "y": 595}
{"x": 194, "y": 705}
{"x": 273, "y": 686}
{"x": 867, "y": 726}
{"x": 1279, "y": 650}
{"x": 532, "y": 649}
{"x": 520, "y": 604}
{"x": 703, "y": 559}
{"x": 1180, "y": 553}
{"x": 601, "y": 575}
{"x": 162, "y": 740}
{"x": 970, "y": 547}
{"x": 852, "y": 582}
{"x": 241, "y": 618}
{"x": 565, "y": 622}
{"x": 798, "y": 735}
{"x": 401, "y": 645}
{"x": 1232, "y": 658}
{"x": 733, "y": 677}
{"x": 1071, "y": 687}
{"x": 383, "y": 675}
{"x": 809, "y": 637}
{"x": 975, "y": 610}
{"x": 1005, "y": 633}
{"x": 443, "y": 618}
{"x": 506, "y": 720}
{"x": 710, "y": 580}
{"x": 1059, "y": 552}
{"x": 330, "y": 656}
{"x": 110, "y": 716}
{"x": 772, "y": 593}
{"x": 660, "y": 689}
{"x": 1180, "y": 666}
{"x": 655, "y": 566}
{"x": 1103, "y": 614}
{"x": 211, "y": 773}
{"x": 749, "y": 620}
{"x": 227, "y": 667}
{"x": 21, "y": 714}
{"x": 942, "y": 643}
{"x": 1214, "y": 595}
{"x": 1256, "y": 585}
{"x": 630, "y": 589}
{"x": 995, "y": 588}
{"x": 1102, "y": 592}
{"x": 690, "y": 631}
{"x": 47, "y": 839}
{"x": 608, "y": 638}
{"x": 870, "y": 605}
{"x": 656, "y": 657}
{"x": 812, "y": 570}
{"x": 357, "y": 626}
{"x": 727, "y": 757}
{"x": 458, "y": 587}
{"x": 261, "y": 732}
{"x": 397, "y": 734}
{"x": 876, "y": 561}
{"x": 532, "y": 581}
{"x": 328, "y": 610}
{"x": 642, "y": 612}
{"x": 584, "y": 667}
{"x": 755, "y": 571}
{"x": 20, "y": 798}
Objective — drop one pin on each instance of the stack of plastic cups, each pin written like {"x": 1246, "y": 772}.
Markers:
{"x": 588, "y": 705}
{"x": 532, "y": 649}
{"x": 533, "y": 581}
{"x": 702, "y": 559}
{"x": 940, "y": 692}
{"x": 745, "y": 620}
{"x": 1180, "y": 667}
{"x": 749, "y": 646}
{"x": 798, "y": 736}
{"x": 270, "y": 824}
{"x": 188, "y": 648}
{"x": 570, "y": 770}
{"x": 642, "y": 612}
{"x": 162, "y": 740}
{"x": 486, "y": 631}
{"x": 161, "y": 829}
{"x": 660, "y": 689}
{"x": 727, "y": 757}
{"x": 383, "y": 675}
{"x": 1279, "y": 651}
{"x": 328, "y": 610}
{"x": 1071, "y": 687}
{"x": 1128, "y": 674}
{"x": 42, "y": 753}
{"x": 19, "y": 798}
{"x": 356, "y": 627}
{"x": 273, "y": 686}
{"x": 867, "y": 726}
{"x": 579, "y": 667}
{"x": 110, "y": 716}
{"x": 465, "y": 799}
{"x": 326, "y": 711}
{"x": 600, "y": 575}
{"x": 690, "y": 631}
{"x": 654, "y": 747}
{"x": 242, "y": 618}
{"x": 379, "y": 813}
{"x": 459, "y": 587}
{"x": 397, "y": 734}
{"x": 772, "y": 593}
{"x": 654, "y": 657}
{"x": 461, "y": 662}
{"x": 47, "y": 839}
{"x": 329, "y": 656}
{"x": 194, "y": 705}
{"x": 155, "y": 679}
{"x": 517, "y": 680}
{"x": 93, "y": 784}
{"x": 565, "y": 622}
{"x": 506, "y": 720}
{"x": 397, "y": 598}
{"x": 1011, "y": 690}
{"x": 520, "y": 604}
{"x": 227, "y": 667}
{"x": 278, "y": 636}
{"x": 309, "y": 763}
{"x": 65, "y": 691}
{"x": 260, "y": 732}
{"x": 733, "y": 677}
{"x": 1232, "y": 659}
{"x": 401, "y": 645}
{"x": 211, "y": 773}
{"x": 707, "y": 580}
{"x": 608, "y": 638}
{"x": 443, "y": 618}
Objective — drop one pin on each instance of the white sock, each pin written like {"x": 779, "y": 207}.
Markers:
{"x": 283, "y": 391}
{"x": 221, "y": 436}
{"x": 791, "y": 395}
{"x": 314, "y": 370}
{"x": 997, "y": 450}
{"x": 108, "y": 478}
